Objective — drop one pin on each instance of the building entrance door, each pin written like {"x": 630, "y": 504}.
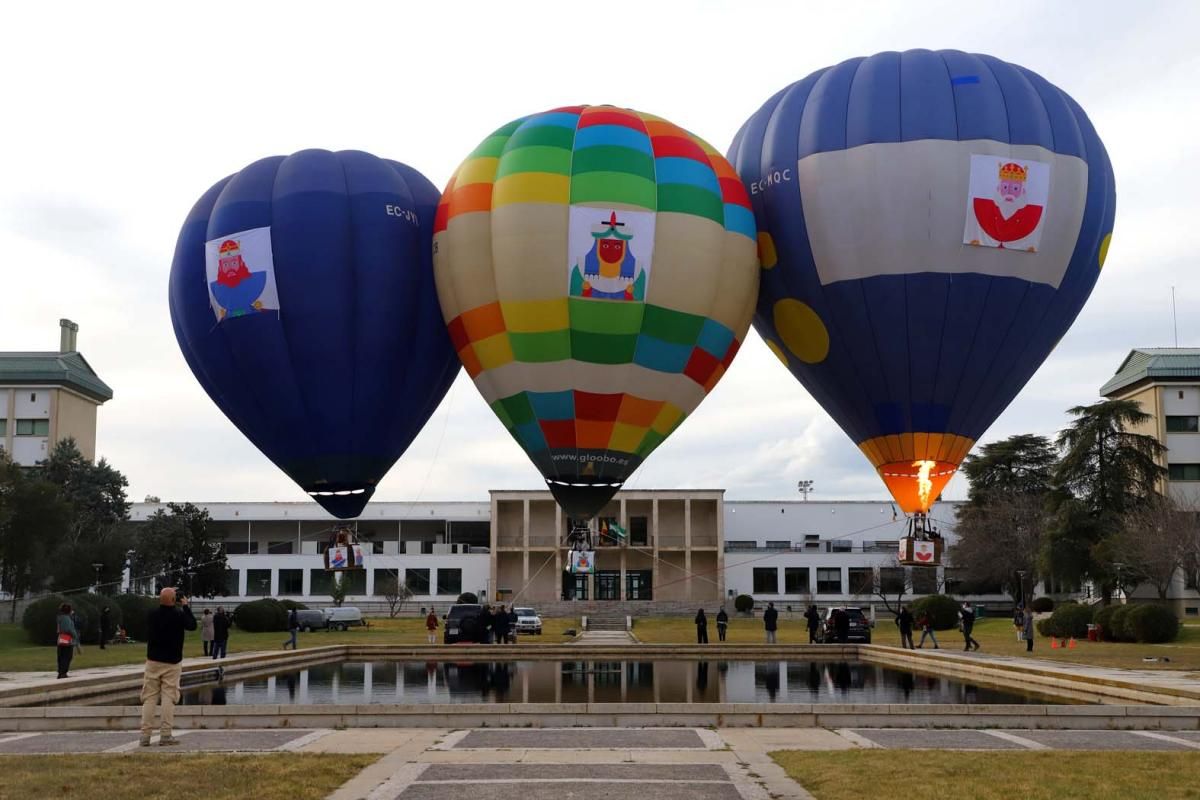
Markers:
{"x": 608, "y": 585}
{"x": 638, "y": 585}
{"x": 575, "y": 587}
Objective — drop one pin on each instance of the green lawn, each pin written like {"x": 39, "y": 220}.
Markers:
{"x": 940, "y": 774}
{"x": 159, "y": 776}
{"x": 18, "y": 655}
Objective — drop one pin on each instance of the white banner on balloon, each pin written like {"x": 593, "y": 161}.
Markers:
{"x": 1006, "y": 203}
{"x": 610, "y": 253}
{"x": 240, "y": 271}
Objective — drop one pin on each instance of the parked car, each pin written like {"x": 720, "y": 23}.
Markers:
{"x": 528, "y": 621}
{"x": 340, "y": 618}
{"x": 311, "y": 619}
{"x": 462, "y": 624}
{"x": 860, "y": 626}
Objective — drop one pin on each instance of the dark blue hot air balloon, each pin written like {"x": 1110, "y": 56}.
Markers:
{"x": 302, "y": 297}
{"x": 930, "y": 225}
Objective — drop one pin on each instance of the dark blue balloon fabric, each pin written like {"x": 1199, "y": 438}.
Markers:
{"x": 302, "y": 297}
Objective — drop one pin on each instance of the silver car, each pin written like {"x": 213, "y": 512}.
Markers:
{"x": 528, "y": 621}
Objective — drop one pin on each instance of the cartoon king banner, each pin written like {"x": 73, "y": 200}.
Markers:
{"x": 1006, "y": 203}
{"x": 610, "y": 253}
{"x": 241, "y": 274}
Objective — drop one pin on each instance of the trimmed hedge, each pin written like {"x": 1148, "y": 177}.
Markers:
{"x": 468, "y": 598}
{"x": 1104, "y": 619}
{"x": 942, "y": 610}
{"x": 293, "y": 605}
{"x": 743, "y": 603}
{"x": 1121, "y": 632}
{"x": 259, "y": 616}
{"x": 135, "y": 608}
{"x": 1152, "y": 623}
{"x": 1043, "y": 605}
{"x": 40, "y": 619}
{"x": 1069, "y": 619}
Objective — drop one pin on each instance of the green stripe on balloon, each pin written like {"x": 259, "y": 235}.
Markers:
{"x": 518, "y": 408}
{"x": 541, "y": 347}
{"x": 672, "y": 326}
{"x": 593, "y": 316}
{"x": 613, "y": 187}
{"x": 543, "y": 136}
{"x": 651, "y": 440}
{"x": 600, "y": 348}
{"x": 555, "y": 160}
{"x": 611, "y": 158}
{"x": 493, "y": 146}
{"x": 693, "y": 200}
{"x": 499, "y": 410}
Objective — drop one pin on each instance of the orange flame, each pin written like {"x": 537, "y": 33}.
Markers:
{"x": 924, "y": 485}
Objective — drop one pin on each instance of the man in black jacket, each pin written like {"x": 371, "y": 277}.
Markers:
{"x": 221, "y": 623}
{"x": 770, "y": 622}
{"x": 165, "y": 628}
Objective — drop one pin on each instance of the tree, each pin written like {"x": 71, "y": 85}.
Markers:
{"x": 176, "y": 547}
{"x": 1022, "y": 464}
{"x": 33, "y": 519}
{"x": 337, "y": 590}
{"x": 395, "y": 592}
{"x": 96, "y": 492}
{"x": 1157, "y": 540}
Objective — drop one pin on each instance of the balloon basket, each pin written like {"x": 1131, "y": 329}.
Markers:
{"x": 917, "y": 552}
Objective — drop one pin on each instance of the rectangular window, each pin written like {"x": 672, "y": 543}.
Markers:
{"x": 377, "y": 548}
{"x": 1183, "y": 424}
{"x": 924, "y": 580}
{"x": 638, "y": 585}
{"x": 862, "y": 580}
{"x": 638, "y": 531}
{"x": 355, "y": 581}
{"x": 384, "y": 579}
{"x": 417, "y": 580}
{"x": 779, "y": 544}
{"x": 449, "y": 581}
{"x": 795, "y": 580}
{"x": 766, "y": 580}
{"x": 280, "y": 548}
{"x": 829, "y": 581}
{"x": 291, "y": 582}
{"x": 3, "y": 427}
{"x": 238, "y": 547}
{"x": 740, "y": 544}
{"x": 33, "y": 427}
{"x": 1183, "y": 472}
{"x": 891, "y": 580}
{"x": 258, "y": 582}
{"x": 320, "y": 582}
{"x": 233, "y": 578}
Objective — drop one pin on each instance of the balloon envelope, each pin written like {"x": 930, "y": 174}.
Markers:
{"x": 930, "y": 224}
{"x": 596, "y": 269}
{"x": 302, "y": 297}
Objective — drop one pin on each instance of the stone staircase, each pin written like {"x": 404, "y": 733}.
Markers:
{"x": 606, "y": 622}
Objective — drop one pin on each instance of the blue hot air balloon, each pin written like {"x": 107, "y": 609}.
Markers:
{"x": 930, "y": 225}
{"x": 302, "y": 297}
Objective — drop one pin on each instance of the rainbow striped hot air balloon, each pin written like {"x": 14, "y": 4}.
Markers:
{"x": 597, "y": 271}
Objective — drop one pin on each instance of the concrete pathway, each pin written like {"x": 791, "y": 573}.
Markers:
{"x": 604, "y": 638}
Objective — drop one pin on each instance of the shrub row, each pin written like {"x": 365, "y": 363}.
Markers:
{"x": 1144, "y": 622}
{"x": 1069, "y": 619}
{"x": 258, "y": 616}
{"x": 40, "y": 619}
{"x": 1043, "y": 605}
{"x": 942, "y": 610}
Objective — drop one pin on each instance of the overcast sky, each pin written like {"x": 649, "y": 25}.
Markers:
{"x": 119, "y": 120}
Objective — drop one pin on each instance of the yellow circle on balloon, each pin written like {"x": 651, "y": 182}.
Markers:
{"x": 778, "y": 351}
{"x": 1104, "y": 248}
{"x": 801, "y": 330}
{"x": 767, "y": 256}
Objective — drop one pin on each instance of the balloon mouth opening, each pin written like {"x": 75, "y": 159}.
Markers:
{"x": 335, "y": 492}
{"x": 917, "y": 485}
{"x": 586, "y": 484}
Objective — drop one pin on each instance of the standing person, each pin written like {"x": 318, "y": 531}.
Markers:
{"x": 770, "y": 622}
{"x": 68, "y": 639}
{"x": 1028, "y": 629}
{"x": 501, "y": 625}
{"x": 841, "y": 625}
{"x": 165, "y": 627}
{"x": 105, "y": 622}
{"x": 968, "y": 622}
{"x": 431, "y": 626}
{"x": 813, "y": 618}
{"x": 293, "y": 629}
{"x": 486, "y": 620}
{"x": 701, "y": 627}
{"x": 512, "y": 624}
{"x": 926, "y": 623}
{"x": 206, "y": 632}
{"x": 722, "y": 624}
{"x": 221, "y": 624}
{"x": 904, "y": 620}
{"x": 1019, "y": 621}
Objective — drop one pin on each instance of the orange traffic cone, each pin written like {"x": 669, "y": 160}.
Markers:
{"x": 1071, "y": 644}
{"x": 1053, "y": 642}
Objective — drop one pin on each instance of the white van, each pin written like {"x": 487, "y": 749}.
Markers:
{"x": 340, "y": 618}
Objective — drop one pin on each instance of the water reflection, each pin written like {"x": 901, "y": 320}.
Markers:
{"x": 415, "y": 682}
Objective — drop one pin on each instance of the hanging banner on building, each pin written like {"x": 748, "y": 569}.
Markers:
{"x": 241, "y": 274}
{"x": 1006, "y": 203}
{"x": 583, "y": 562}
{"x": 344, "y": 557}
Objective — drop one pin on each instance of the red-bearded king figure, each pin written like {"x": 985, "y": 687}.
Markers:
{"x": 231, "y": 269}
{"x": 1013, "y": 218}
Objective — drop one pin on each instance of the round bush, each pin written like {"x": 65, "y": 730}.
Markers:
{"x": 40, "y": 619}
{"x": 468, "y": 597}
{"x": 1042, "y": 605}
{"x": 135, "y": 608}
{"x": 1121, "y": 632}
{"x": 743, "y": 603}
{"x": 942, "y": 610}
{"x": 1152, "y": 624}
{"x": 94, "y": 605}
{"x": 258, "y": 616}
{"x": 1104, "y": 620}
{"x": 1069, "y": 619}
{"x": 292, "y": 605}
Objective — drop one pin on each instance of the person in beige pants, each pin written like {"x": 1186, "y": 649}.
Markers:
{"x": 165, "y": 628}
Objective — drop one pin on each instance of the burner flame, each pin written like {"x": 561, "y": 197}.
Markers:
{"x": 924, "y": 485}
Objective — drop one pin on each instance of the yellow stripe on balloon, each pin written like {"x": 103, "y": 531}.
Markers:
{"x": 666, "y": 419}
{"x": 626, "y": 438}
{"x": 494, "y": 351}
{"x": 536, "y": 316}
{"x": 476, "y": 170}
{"x": 532, "y": 187}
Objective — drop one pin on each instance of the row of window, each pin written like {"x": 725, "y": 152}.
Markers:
{"x": 1183, "y": 472}
{"x": 251, "y": 548}
{"x": 320, "y": 582}
{"x": 1187, "y": 424}
{"x": 26, "y": 427}
{"x": 829, "y": 580}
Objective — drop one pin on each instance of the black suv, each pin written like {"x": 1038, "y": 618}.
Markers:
{"x": 859, "y": 631}
{"x": 462, "y": 624}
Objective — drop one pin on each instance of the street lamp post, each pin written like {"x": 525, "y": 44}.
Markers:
{"x": 804, "y": 487}
{"x": 1021, "y": 584}
{"x": 96, "y": 586}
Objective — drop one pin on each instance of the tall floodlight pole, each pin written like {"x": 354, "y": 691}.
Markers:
{"x": 804, "y": 487}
